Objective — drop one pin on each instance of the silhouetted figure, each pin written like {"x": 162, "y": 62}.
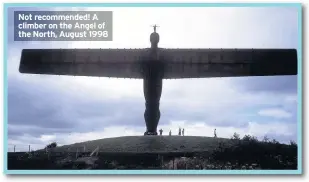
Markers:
{"x": 161, "y": 131}
{"x": 170, "y": 133}
{"x": 215, "y": 133}
{"x": 179, "y": 132}
{"x": 183, "y": 132}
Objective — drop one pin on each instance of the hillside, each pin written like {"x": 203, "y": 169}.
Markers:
{"x": 175, "y": 152}
{"x": 149, "y": 144}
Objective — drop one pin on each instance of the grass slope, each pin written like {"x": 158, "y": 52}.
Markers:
{"x": 140, "y": 152}
{"x": 149, "y": 144}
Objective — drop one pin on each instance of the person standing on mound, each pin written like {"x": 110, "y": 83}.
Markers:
{"x": 215, "y": 133}
{"x": 161, "y": 131}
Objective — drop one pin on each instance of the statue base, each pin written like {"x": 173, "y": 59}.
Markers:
{"x": 150, "y": 133}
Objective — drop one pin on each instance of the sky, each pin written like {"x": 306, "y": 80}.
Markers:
{"x": 67, "y": 109}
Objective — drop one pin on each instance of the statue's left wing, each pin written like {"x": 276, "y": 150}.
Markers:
{"x": 117, "y": 63}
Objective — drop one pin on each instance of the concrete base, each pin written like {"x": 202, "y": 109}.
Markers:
{"x": 150, "y": 133}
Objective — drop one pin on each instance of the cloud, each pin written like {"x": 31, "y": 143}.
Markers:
{"x": 284, "y": 84}
{"x": 91, "y": 113}
{"x": 22, "y": 142}
{"x": 275, "y": 112}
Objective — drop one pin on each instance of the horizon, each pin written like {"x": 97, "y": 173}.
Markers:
{"x": 270, "y": 141}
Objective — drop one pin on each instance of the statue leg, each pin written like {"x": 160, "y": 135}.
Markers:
{"x": 152, "y": 93}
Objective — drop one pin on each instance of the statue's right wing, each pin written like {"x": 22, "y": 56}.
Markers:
{"x": 203, "y": 63}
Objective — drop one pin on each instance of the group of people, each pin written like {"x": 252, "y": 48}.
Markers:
{"x": 180, "y": 132}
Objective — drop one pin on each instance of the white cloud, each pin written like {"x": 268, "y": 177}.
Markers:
{"x": 291, "y": 99}
{"x": 47, "y": 138}
{"x": 275, "y": 112}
